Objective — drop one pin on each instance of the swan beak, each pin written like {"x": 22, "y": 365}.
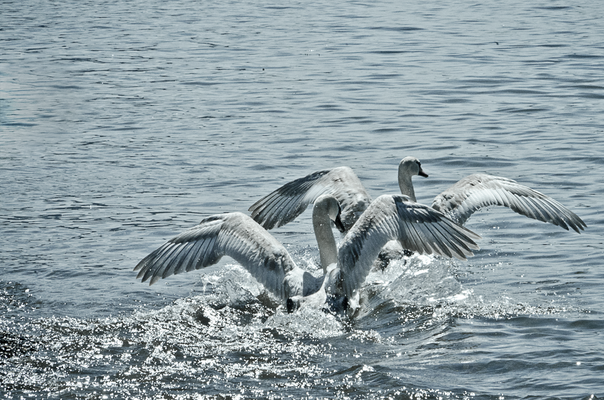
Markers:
{"x": 339, "y": 224}
{"x": 422, "y": 173}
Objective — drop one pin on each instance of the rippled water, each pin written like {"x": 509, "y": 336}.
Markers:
{"x": 124, "y": 123}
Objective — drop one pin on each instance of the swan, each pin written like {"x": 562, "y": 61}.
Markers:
{"x": 458, "y": 202}
{"x": 389, "y": 217}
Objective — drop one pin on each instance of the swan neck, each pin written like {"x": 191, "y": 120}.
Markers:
{"x": 406, "y": 185}
{"x": 328, "y": 250}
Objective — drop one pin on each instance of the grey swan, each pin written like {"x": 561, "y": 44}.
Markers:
{"x": 458, "y": 202}
{"x": 389, "y": 217}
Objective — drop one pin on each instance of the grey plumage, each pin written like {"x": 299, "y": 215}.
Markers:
{"x": 234, "y": 235}
{"x": 473, "y": 192}
{"x": 458, "y": 202}
{"x": 418, "y": 227}
{"x": 290, "y": 200}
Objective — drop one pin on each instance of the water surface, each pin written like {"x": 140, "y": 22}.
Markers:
{"x": 124, "y": 123}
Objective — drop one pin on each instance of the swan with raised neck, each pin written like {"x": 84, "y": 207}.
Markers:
{"x": 458, "y": 202}
{"x": 408, "y": 168}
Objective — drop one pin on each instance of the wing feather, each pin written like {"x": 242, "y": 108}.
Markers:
{"x": 235, "y": 235}
{"x": 290, "y": 200}
{"x": 476, "y": 191}
{"x": 417, "y": 227}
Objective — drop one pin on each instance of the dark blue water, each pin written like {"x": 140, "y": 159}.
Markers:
{"x": 124, "y": 123}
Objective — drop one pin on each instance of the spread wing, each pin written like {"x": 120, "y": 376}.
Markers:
{"x": 473, "y": 192}
{"x": 394, "y": 217}
{"x": 235, "y": 235}
{"x": 290, "y": 200}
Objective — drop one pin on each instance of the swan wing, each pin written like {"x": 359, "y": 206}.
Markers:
{"x": 290, "y": 200}
{"x": 235, "y": 235}
{"x": 395, "y": 217}
{"x": 473, "y": 192}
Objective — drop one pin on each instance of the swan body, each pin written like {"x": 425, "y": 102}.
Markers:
{"x": 390, "y": 217}
{"x": 458, "y": 202}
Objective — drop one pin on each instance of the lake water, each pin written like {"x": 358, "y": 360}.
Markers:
{"x": 124, "y": 123}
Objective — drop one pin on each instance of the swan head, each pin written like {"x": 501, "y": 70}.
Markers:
{"x": 411, "y": 166}
{"x": 328, "y": 205}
